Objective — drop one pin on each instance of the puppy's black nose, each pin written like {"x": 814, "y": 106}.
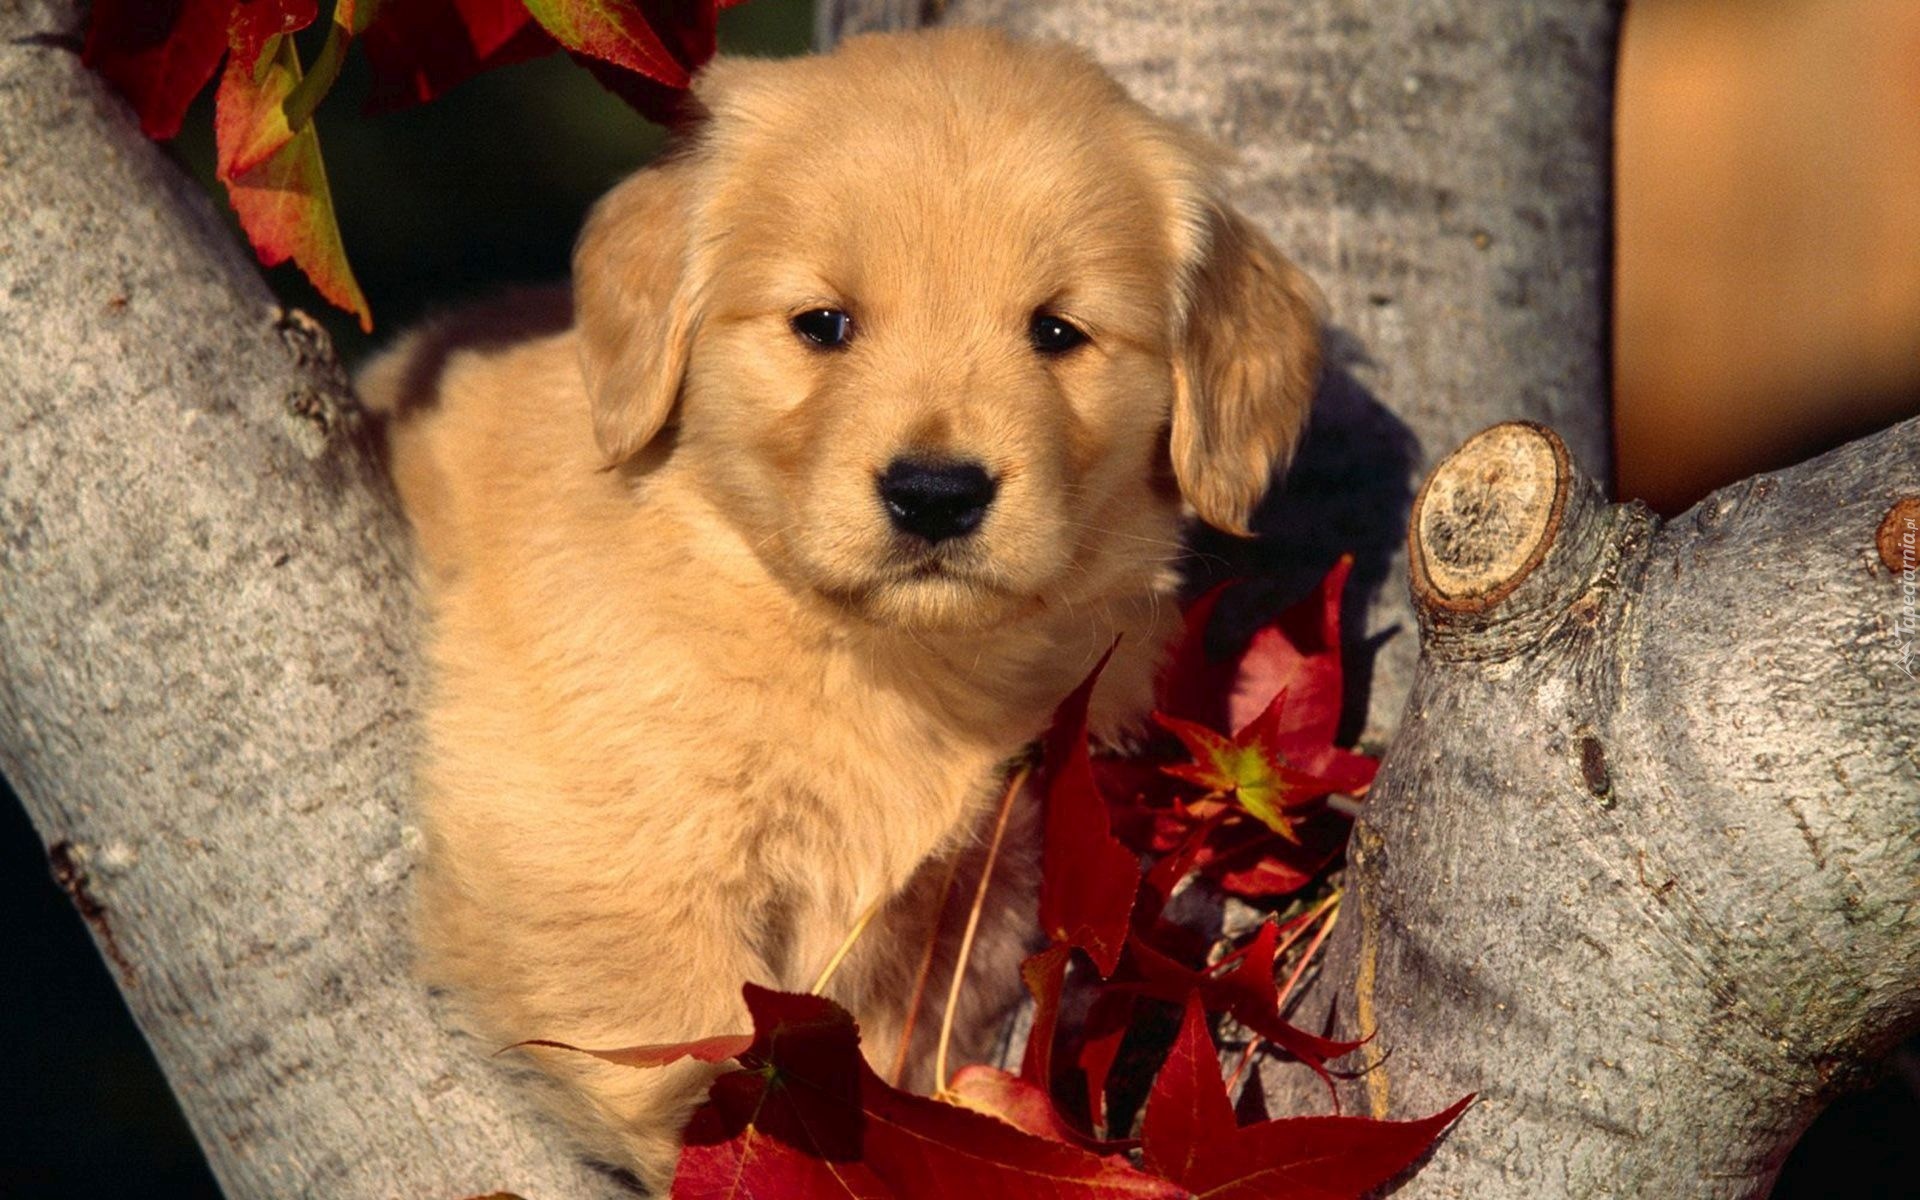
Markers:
{"x": 935, "y": 500}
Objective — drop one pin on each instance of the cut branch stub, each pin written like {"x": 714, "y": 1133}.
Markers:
{"x": 1487, "y": 516}
{"x": 1506, "y": 538}
{"x": 1898, "y": 533}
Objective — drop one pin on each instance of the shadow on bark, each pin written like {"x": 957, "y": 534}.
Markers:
{"x": 1348, "y": 491}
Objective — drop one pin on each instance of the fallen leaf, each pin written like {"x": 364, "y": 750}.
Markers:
{"x": 759, "y": 1137}
{"x": 1195, "y": 684}
{"x": 1248, "y": 771}
{"x": 254, "y": 23}
{"x": 1190, "y": 1135}
{"x": 1277, "y": 764}
{"x": 1304, "y": 739}
{"x": 1165, "y": 875}
{"x": 1298, "y": 652}
{"x": 1023, "y": 1105}
{"x": 1088, "y": 878}
{"x": 1105, "y": 1031}
{"x": 1188, "y": 1106}
{"x": 1247, "y": 991}
{"x": 1045, "y": 975}
{"x": 661, "y": 40}
{"x": 1248, "y": 860}
{"x": 809, "y": 1118}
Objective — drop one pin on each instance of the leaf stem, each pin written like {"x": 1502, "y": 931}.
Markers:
{"x": 1332, "y": 909}
{"x": 1014, "y": 785}
{"x": 1294, "y": 934}
{"x": 925, "y": 974}
{"x": 350, "y": 19}
{"x": 1254, "y": 1042}
{"x": 846, "y": 947}
{"x": 1246, "y": 1056}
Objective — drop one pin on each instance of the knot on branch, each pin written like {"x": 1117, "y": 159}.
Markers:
{"x": 1506, "y": 540}
{"x": 324, "y": 410}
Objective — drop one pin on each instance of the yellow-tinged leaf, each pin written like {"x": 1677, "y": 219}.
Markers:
{"x": 275, "y": 178}
{"x": 620, "y": 32}
{"x": 1248, "y": 771}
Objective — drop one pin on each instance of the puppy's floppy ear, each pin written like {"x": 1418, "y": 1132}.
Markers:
{"x": 632, "y": 307}
{"x": 1244, "y": 371}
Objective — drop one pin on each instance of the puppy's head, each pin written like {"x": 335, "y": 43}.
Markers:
{"x": 946, "y": 324}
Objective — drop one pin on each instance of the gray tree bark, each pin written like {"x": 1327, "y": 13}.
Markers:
{"x": 1642, "y": 867}
{"x": 204, "y": 649}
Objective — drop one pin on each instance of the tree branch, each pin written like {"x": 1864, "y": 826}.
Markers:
{"x": 1643, "y": 865}
{"x": 203, "y": 656}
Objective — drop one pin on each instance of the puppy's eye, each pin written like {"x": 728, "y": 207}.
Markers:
{"x": 824, "y": 326}
{"x": 1054, "y": 335}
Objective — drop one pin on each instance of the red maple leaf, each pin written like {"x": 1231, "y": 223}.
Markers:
{"x": 161, "y": 54}
{"x": 1189, "y": 1135}
{"x": 644, "y": 51}
{"x": 1089, "y": 883}
{"x": 254, "y": 23}
{"x": 1248, "y": 860}
{"x": 809, "y": 1118}
{"x": 158, "y": 53}
{"x": 634, "y": 34}
{"x": 1102, "y": 1036}
{"x": 1249, "y": 771}
{"x": 1082, "y": 860}
{"x": 1298, "y": 653}
{"x": 421, "y": 49}
{"x": 1247, "y": 990}
{"x": 1045, "y": 975}
{"x": 1277, "y": 765}
{"x": 1088, "y": 877}
{"x": 1023, "y": 1105}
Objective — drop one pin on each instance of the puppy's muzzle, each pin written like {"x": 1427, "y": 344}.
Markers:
{"x": 936, "y": 501}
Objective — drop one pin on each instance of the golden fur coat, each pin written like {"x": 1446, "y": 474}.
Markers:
{"x": 697, "y": 704}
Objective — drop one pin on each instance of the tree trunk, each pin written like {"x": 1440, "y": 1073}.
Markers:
{"x": 204, "y": 648}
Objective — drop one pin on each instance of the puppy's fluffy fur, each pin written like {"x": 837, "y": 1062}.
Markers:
{"x": 697, "y": 704}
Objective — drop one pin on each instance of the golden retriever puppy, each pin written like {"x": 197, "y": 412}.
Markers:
{"x": 881, "y": 399}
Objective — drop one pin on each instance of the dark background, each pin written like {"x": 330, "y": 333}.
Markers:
{"x": 487, "y": 186}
